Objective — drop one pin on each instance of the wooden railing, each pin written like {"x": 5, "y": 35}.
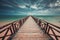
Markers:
{"x": 52, "y": 30}
{"x": 7, "y": 31}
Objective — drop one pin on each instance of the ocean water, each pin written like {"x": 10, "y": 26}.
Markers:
{"x": 6, "y": 19}
{"x": 50, "y": 18}
{"x": 18, "y": 17}
{"x": 11, "y": 17}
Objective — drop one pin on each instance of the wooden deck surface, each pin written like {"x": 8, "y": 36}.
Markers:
{"x": 30, "y": 31}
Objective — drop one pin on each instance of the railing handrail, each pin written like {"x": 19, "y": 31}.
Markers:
{"x": 13, "y": 27}
{"x": 47, "y": 27}
{"x": 53, "y": 25}
{"x": 9, "y": 23}
{"x": 6, "y": 25}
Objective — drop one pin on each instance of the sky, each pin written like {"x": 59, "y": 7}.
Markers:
{"x": 29, "y": 7}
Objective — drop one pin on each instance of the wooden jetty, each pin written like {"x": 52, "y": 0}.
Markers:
{"x": 30, "y": 28}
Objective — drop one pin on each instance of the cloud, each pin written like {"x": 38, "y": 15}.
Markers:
{"x": 22, "y": 6}
{"x": 34, "y": 6}
{"x": 29, "y": 13}
{"x": 54, "y": 4}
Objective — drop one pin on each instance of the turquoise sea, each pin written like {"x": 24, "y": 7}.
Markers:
{"x": 50, "y": 18}
{"x": 11, "y": 17}
{"x": 18, "y": 17}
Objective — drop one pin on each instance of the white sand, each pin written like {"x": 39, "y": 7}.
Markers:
{"x": 2, "y": 23}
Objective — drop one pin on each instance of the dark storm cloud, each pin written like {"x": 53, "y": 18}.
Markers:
{"x": 7, "y": 6}
{"x": 8, "y": 3}
{"x": 45, "y": 3}
{"x": 27, "y": 3}
{"x": 33, "y": 1}
{"x": 48, "y": 1}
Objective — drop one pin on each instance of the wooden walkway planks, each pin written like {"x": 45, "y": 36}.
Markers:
{"x": 30, "y": 31}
